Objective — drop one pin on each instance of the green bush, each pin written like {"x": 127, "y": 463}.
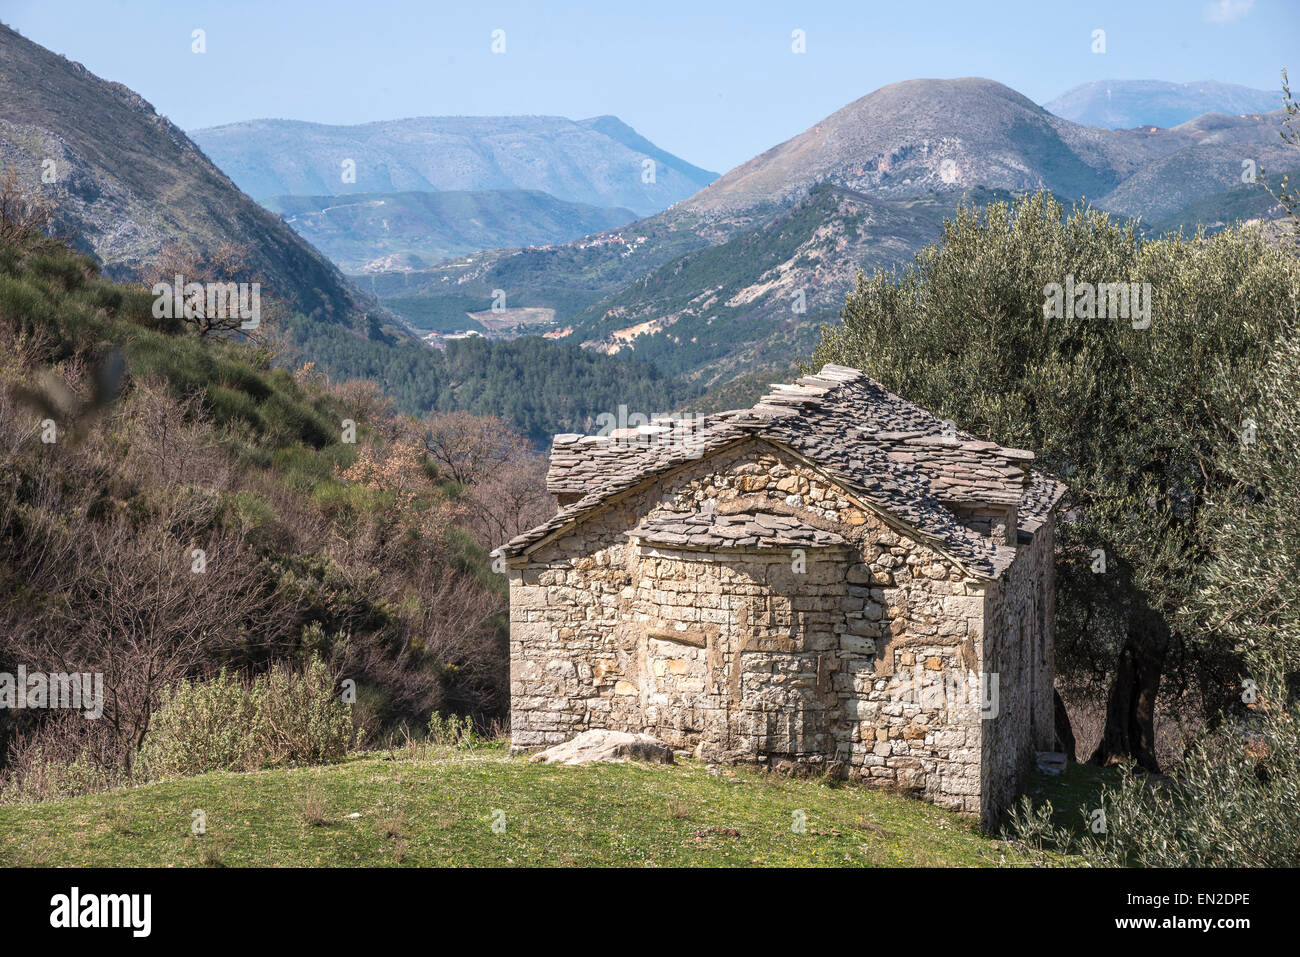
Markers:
{"x": 21, "y": 299}
{"x": 1233, "y": 802}
{"x": 227, "y": 405}
{"x": 56, "y": 265}
{"x": 299, "y": 717}
{"x": 293, "y": 421}
{"x": 239, "y": 374}
{"x": 450, "y": 731}
{"x": 153, "y": 354}
{"x": 249, "y": 510}
{"x": 199, "y": 726}
{"x": 280, "y": 718}
{"x": 302, "y": 468}
{"x": 350, "y": 504}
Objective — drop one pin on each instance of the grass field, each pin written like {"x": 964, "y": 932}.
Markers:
{"x": 383, "y": 810}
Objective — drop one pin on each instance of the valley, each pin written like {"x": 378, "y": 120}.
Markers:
{"x": 434, "y": 231}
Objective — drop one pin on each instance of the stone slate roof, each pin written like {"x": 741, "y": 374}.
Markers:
{"x": 717, "y": 530}
{"x": 889, "y": 452}
{"x": 588, "y": 463}
{"x": 1042, "y": 494}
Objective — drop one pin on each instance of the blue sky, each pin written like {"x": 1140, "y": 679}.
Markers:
{"x": 715, "y": 83}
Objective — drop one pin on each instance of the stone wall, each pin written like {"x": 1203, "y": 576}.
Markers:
{"x": 864, "y": 656}
{"x": 1018, "y": 649}
{"x": 740, "y": 647}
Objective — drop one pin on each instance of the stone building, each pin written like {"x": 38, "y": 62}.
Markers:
{"x": 833, "y": 578}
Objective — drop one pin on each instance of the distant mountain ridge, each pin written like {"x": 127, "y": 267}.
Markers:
{"x": 127, "y": 181}
{"x": 600, "y": 161}
{"x": 1125, "y": 104}
{"x": 364, "y": 232}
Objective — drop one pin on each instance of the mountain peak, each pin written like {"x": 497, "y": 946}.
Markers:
{"x": 918, "y": 136}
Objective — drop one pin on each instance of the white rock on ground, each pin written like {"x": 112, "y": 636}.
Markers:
{"x": 597, "y": 745}
{"x": 1050, "y": 762}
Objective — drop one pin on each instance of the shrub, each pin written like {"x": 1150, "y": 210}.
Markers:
{"x": 242, "y": 376}
{"x": 21, "y": 300}
{"x": 1233, "y": 802}
{"x": 301, "y": 467}
{"x": 298, "y": 717}
{"x": 55, "y": 265}
{"x": 451, "y": 731}
{"x": 289, "y": 420}
{"x": 249, "y": 510}
{"x": 280, "y": 718}
{"x": 229, "y": 404}
{"x": 38, "y": 775}
{"x": 199, "y": 726}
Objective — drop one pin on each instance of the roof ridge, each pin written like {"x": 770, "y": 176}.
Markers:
{"x": 806, "y": 392}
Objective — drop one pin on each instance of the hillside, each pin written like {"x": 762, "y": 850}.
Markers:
{"x": 1124, "y": 104}
{"x": 365, "y": 232}
{"x": 128, "y": 182}
{"x": 166, "y": 443}
{"x": 1209, "y": 162}
{"x": 597, "y": 161}
{"x": 1218, "y": 210}
{"x": 541, "y": 387}
{"x": 567, "y": 277}
{"x": 761, "y": 296}
{"x": 377, "y": 811}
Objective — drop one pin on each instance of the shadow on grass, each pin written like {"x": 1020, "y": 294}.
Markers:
{"x": 1073, "y": 793}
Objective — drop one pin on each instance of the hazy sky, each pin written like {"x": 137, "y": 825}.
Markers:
{"x": 715, "y": 83}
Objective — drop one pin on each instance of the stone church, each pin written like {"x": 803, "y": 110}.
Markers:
{"x": 833, "y": 578}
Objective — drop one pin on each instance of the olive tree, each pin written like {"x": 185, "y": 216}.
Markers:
{"x": 1005, "y": 327}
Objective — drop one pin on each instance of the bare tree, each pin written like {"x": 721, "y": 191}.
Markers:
{"x": 466, "y": 447}
{"x": 509, "y": 500}
{"x": 22, "y": 214}
{"x": 225, "y": 266}
{"x": 505, "y": 480}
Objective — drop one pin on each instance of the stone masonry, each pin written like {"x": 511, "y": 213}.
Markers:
{"x": 833, "y": 579}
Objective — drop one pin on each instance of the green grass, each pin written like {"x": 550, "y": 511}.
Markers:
{"x": 439, "y": 812}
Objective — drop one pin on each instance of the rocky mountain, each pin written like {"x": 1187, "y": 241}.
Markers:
{"x": 1124, "y": 104}
{"x": 706, "y": 288}
{"x": 367, "y": 232}
{"x": 598, "y": 161}
{"x": 126, "y": 181}
{"x": 924, "y": 136}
